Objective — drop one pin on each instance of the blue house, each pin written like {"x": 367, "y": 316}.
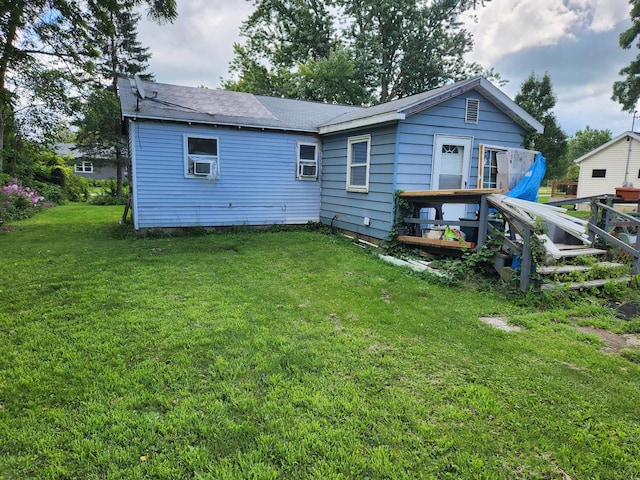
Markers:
{"x": 204, "y": 157}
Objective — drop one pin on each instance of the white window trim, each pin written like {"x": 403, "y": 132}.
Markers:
{"x": 481, "y": 148}
{"x": 351, "y": 141}
{"x": 83, "y": 167}
{"x": 215, "y": 159}
{"x": 300, "y": 163}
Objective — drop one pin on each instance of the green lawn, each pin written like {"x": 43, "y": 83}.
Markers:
{"x": 287, "y": 355}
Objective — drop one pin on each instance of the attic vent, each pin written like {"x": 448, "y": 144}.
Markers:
{"x": 473, "y": 109}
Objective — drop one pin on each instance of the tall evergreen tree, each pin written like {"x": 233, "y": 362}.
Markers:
{"x": 114, "y": 28}
{"x": 536, "y": 96}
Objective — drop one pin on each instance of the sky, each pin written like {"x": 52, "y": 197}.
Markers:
{"x": 574, "y": 41}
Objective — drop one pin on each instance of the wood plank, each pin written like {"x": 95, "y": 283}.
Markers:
{"x": 589, "y": 284}
{"x": 575, "y": 268}
{"x": 433, "y": 242}
{"x": 566, "y": 246}
{"x": 461, "y": 192}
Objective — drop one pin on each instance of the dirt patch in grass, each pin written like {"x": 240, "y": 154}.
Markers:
{"x": 500, "y": 323}
{"x": 614, "y": 341}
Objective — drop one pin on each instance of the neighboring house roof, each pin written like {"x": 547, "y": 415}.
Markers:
{"x": 66, "y": 149}
{"x": 624, "y": 135}
{"x": 220, "y": 107}
{"x": 404, "y": 107}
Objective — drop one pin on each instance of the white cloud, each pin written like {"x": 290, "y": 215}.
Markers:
{"x": 197, "y": 48}
{"x": 506, "y": 27}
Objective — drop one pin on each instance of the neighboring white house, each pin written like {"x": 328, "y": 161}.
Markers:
{"x": 614, "y": 164}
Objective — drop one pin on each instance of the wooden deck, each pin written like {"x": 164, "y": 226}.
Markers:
{"x": 435, "y": 199}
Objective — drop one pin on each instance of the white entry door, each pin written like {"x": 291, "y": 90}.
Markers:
{"x": 451, "y": 166}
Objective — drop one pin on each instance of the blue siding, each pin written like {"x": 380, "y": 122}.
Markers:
{"x": 410, "y": 166}
{"x": 416, "y": 135}
{"x": 352, "y": 207}
{"x": 257, "y": 184}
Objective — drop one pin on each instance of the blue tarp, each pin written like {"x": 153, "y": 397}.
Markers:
{"x": 527, "y": 188}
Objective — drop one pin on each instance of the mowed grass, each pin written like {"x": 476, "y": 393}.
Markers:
{"x": 285, "y": 355}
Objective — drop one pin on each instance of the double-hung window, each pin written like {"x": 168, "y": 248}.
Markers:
{"x": 83, "y": 167}
{"x": 358, "y": 159}
{"x": 306, "y": 161}
{"x": 201, "y": 159}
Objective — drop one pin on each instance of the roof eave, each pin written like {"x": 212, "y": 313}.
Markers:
{"x": 633, "y": 135}
{"x": 508, "y": 106}
{"x": 362, "y": 122}
{"x": 136, "y": 116}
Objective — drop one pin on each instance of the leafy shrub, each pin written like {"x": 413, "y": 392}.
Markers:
{"x": 51, "y": 193}
{"x": 18, "y": 202}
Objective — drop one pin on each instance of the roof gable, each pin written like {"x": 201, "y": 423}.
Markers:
{"x": 407, "y": 106}
{"x": 611, "y": 142}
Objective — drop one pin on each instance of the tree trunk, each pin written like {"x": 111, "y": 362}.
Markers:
{"x": 7, "y": 54}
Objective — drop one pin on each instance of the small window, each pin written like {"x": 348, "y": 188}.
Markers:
{"x": 83, "y": 167}
{"x": 358, "y": 153}
{"x": 473, "y": 110}
{"x": 201, "y": 157}
{"x": 599, "y": 173}
{"x": 307, "y": 161}
{"x": 638, "y": 173}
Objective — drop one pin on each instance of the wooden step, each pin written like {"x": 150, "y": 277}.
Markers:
{"x": 588, "y": 284}
{"x": 548, "y": 270}
{"x": 576, "y": 252}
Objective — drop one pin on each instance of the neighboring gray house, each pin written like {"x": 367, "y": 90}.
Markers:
{"x": 214, "y": 158}
{"x": 84, "y": 166}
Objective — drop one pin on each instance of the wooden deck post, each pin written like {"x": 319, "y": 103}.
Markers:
{"x": 635, "y": 263}
{"x": 525, "y": 267}
{"x": 483, "y": 221}
{"x": 594, "y": 218}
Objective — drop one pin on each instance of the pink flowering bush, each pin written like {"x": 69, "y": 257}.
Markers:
{"x": 18, "y": 202}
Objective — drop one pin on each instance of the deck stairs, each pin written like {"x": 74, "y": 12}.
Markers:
{"x": 576, "y": 267}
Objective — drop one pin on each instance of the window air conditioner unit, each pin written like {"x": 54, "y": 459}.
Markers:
{"x": 308, "y": 170}
{"x": 202, "y": 167}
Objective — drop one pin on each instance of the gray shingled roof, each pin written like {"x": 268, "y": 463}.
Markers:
{"x": 416, "y": 103}
{"x": 221, "y": 107}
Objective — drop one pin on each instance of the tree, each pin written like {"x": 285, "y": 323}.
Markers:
{"x": 582, "y": 142}
{"x": 406, "y": 47}
{"x": 113, "y": 26}
{"x": 389, "y": 48}
{"x": 537, "y": 98}
{"x": 47, "y": 40}
{"x": 627, "y": 91}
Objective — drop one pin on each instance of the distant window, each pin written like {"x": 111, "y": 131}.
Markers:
{"x": 599, "y": 173}
{"x": 358, "y": 153}
{"x": 638, "y": 173}
{"x": 83, "y": 167}
{"x": 201, "y": 158}
{"x": 472, "y": 111}
{"x": 307, "y": 161}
